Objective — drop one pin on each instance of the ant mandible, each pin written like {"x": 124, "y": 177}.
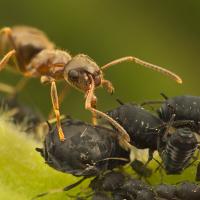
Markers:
{"x": 36, "y": 56}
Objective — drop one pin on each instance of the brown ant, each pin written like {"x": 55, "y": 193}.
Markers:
{"x": 36, "y": 56}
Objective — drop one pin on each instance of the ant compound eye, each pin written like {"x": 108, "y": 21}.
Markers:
{"x": 73, "y": 74}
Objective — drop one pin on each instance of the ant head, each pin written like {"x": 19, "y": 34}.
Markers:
{"x": 78, "y": 70}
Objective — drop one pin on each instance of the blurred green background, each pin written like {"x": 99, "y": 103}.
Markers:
{"x": 165, "y": 33}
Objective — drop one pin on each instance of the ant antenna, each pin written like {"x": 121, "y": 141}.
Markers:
{"x": 145, "y": 64}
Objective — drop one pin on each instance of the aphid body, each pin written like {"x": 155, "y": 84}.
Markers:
{"x": 179, "y": 149}
{"x": 140, "y": 125}
{"x": 184, "y": 107}
{"x": 87, "y": 151}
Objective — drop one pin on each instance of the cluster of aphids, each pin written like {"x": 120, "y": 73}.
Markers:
{"x": 119, "y": 186}
{"x": 83, "y": 149}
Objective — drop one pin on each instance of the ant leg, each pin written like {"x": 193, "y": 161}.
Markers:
{"x": 14, "y": 90}
{"x": 124, "y": 137}
{"x": 61, "y": 98}
{"x": 6, "y": 58}
{"x": 21, "y": 84}
{"x": 7, "y": 88}
{"x": 54, "y": 98}
{"x": 108, "y": 85}
{"x": 145, "y": 64}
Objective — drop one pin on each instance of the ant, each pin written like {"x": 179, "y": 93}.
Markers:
{"x": 36, "y": 56}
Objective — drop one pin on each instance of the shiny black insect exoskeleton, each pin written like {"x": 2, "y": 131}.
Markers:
{"x": 184, "y": 107}
{"x": 188, "y": 191}
{"x": 141, "y": 125}
{"x": 166, "y": 191}
{"x": 87, "y": 150}
{"x": 182, "y": 112}
{"x": 122, "y": 186}
{"x": 180, "y": 148}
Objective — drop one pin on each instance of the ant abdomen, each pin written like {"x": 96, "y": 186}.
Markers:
{"x": 27, "y": 41}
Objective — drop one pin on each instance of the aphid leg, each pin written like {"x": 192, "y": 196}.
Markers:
{"x": 67, "y": 188}
{"x": 124, "y": 138}
{"x": 179, "y": 123}
{"x": 6, "y": 58}
{"x": 61, "y": 98}
{"x": 108, "y": 86}
{"x": 195, "y": 158}
{"x": 168, "y": 127}
{"x": 145, "y": 64}
{"x": 198, "y": 124}
{"x": 150, "y": 157}
{"x": 164, "y": 96}
{"x": 197, "y": 178}
{"x": 160, "y": 168}
{"x": 54, "y": 98}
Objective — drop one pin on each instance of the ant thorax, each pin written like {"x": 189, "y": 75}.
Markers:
{"x": 49, "y": 63}
{"x": 79, "y": 70}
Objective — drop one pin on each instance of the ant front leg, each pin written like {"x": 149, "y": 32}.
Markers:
{"x": 61, "y": 97}
{"x": 108, "y": 85}
{"x": 55, "y": 102}
{"x": 124, "y": 137}
{"x": 145, "y": 64}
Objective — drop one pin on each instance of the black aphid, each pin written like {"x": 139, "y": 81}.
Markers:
{"x": 179, "y": 150}
{"x": 144, "y": 128}
{"x": 184, "y": 107}
{"x": 87, "y": 150}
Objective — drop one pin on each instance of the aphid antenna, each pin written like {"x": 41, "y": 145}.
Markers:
{"x": 67, "y": 188}
{"x": 149, "y": 102}
{"x": 164, "y": 96}
{"x": 119, "y": 101}
{"x": 112, "y": 158}
{"x": 168, "y": 126}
